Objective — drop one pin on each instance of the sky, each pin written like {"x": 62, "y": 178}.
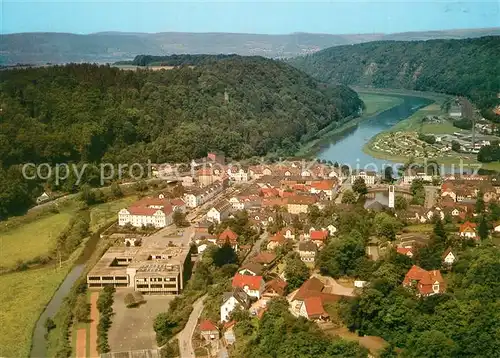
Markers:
{"x": 242, "y": 16}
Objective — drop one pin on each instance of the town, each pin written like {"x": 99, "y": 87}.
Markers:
{"x": 275, "y": 228}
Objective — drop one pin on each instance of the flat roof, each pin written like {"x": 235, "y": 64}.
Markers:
{"x": 168, "y": 261}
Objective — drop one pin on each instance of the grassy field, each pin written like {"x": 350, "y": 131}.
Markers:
{"x": 36, "y": 238}
{"x": 377, "y": 103}
{"x": 24, "y": 296}
{"x": 102, "y": 213}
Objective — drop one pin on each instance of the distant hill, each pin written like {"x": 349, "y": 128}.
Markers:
{"x": 466, "y": 67}
{"x": 38, "y": 48}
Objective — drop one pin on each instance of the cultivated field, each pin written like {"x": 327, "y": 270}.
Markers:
{"x": 24, "y": 296}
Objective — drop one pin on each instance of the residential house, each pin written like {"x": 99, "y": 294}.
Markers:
{"x": 307, "y": 251}
{"x": 252, "y": 285}
{"x": 218, "y": 158}
{"x": 368, "y": 176}
{"x": 410, "y": 175}
{"x": 299, "y": 204}
{"x": 426, "y": 282}
{"x": 238, "y": 174}
{"x": 42, "y": 198}
{"x": 277, "y": 240}
{"x": 312, "y": 288}
{"x": 264, "y": 258}
{"x": 323, "y": 186}
{"x": 468, "y": 230}
{"x": 205, "y": 176}
{"x": 228, "y": 236}
{"x": 275, "y": 288}
{"x": 232, "y": 300}
{"x": 208, "y": 330}
{"x": 407, "y": 251}
{"x": 318, "y": 237}
{"x": 449, "y": 257}
{"x": 496, "y": 227}
{"x": 251, "y": 268}
{"x": 288, "y": 233}
{"x": 198, "y": 196}
{"x": 229, "y": 336}
{"x": 219, "y": 211}
{"x": 156, "y": 212}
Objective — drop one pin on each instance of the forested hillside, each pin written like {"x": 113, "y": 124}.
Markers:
{"x": 90, "y": 113}
{"x": 468, "y": 67}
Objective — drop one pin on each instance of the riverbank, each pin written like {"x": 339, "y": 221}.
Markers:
{"x": 374, "y": 104}
{"x": 414, "y": 124}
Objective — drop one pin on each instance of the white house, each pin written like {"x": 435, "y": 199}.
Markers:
{"x": 42, "y": 198}
{"x": 251, "y": 285}
{"x": 232, "y": 300}
{"x": 238, "y": 174}
{"x": 410, "y": 176}
{"x": 199, "y": 196}
{"x": 368, "y": 177}
{"x": 448, "y": 257}
{"x": 219, "y": 211}
{"x": 155, "y": 212}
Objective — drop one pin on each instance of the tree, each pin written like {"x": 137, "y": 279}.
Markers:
{"x": 49, "y": 324}
{"x": 388, "y": 174}
{"x": 480, "y": 206}
{"x": 431, "y": 343}
{"x": 82, "y": 309}
{"x": 87, "y": 195}
{"x": 359, "y": 186}
{"x": 340, "y": 257}
{"x": 224, "y": 255}
{"x": 348, "y": 197}
{"x": 116, "y": 191}
{"x": 296, "y": 271}
{"x": 179, "y": 219}
{"x": 400, "y": 203}
{"x": 439, "y": 230}
{"x": 455, "y": 146}
{"x": 386, "y": 225}
{"x": 482, "y": 229}
{"x": 418, "y": 191}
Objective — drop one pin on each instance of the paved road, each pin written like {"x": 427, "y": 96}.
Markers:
{"x": 185, "y": 336}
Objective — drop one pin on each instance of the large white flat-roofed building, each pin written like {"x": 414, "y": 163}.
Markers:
{"x": 148, "y": 270}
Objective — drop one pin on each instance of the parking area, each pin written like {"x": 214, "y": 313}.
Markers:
{"x": 132, "y": 328}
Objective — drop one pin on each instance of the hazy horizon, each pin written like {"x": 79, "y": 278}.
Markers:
{"x": 244, "y": 17}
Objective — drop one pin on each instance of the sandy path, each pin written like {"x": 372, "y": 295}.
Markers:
{"x": 94, "y": 318}
{"x": 81, "y": 343}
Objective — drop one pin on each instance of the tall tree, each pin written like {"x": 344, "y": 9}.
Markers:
{"x": 359, "y": 186}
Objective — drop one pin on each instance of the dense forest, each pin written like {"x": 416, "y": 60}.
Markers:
{"x": 243, "y": 106}
{"x": 178, "y": 60}
{"x": 467, "y": 67}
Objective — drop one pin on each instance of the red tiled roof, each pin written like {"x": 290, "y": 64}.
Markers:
{"x": 207, "y": 325}
{"x": 404, "y": 250}
{"x": 318, "y": 235}
{"x": 269, "y": 192}
{"x": 277, "y": 285}
{"x": 314, "y": 307}
{"x": 425, "y": 279}
{"x": 302, "y": 200}
{"x": 228, "y": 235}
{"x": 323, "y": 185}
{"x": 314, "y": 288}
{"x": 264, "y": 257}
{"x": 253, "y": 282}
{"x": 278, "y": 238}
{"x": 467, "y": 225}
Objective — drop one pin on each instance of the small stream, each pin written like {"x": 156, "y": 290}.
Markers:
{"x": 38, "y": 341}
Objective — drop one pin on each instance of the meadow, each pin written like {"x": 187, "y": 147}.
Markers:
{"x": 378, "y": 102}
{"x": 24, "y": 296}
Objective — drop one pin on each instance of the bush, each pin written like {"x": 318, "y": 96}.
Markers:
{"x": 82, "y": 309}
{"x": 104, "y": 305}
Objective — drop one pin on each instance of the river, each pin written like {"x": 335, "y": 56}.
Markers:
{"x": 349, "y": 148}
{"x": 39, "y": 341}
